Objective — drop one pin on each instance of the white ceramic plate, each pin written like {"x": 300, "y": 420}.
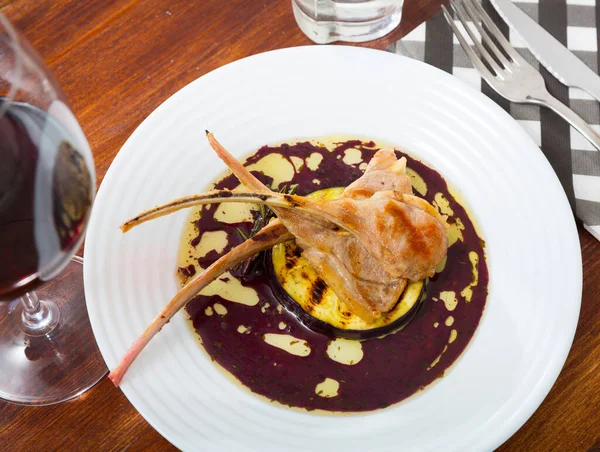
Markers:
{"x": 534, "y": 255}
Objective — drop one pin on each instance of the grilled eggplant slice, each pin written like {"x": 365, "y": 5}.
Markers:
{"x": 303, "y": 293}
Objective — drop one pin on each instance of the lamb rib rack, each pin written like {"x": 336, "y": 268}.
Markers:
{"x": 364, "y": 244}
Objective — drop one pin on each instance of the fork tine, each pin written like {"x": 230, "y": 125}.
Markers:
{"x": 458, "y": 8}
{"x": 482, "y": 68}
{"x": 485, "y": 37}
{"x": 496, "y": 33}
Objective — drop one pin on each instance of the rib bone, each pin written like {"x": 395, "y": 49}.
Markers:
{"x": 267, "y": 237}
{"x": 382, "y": 223}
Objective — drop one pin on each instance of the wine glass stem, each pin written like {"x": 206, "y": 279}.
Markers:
{"x": 31, "y": 303}
{"x": 38, "y": 317}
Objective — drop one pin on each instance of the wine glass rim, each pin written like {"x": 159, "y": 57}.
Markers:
{"x": 16, "y": 48}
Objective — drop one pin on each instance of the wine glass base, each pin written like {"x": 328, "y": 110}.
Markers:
{"x": 50, "y": 313}
{"x": 60, "y": 365}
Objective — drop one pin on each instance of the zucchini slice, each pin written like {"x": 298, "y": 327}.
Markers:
{"x": 302, "y": 292}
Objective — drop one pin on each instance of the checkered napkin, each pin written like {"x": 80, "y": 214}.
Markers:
{"x": 573, "y": 23}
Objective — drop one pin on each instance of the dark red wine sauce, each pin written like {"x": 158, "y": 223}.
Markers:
{"x": 46, "y": 192}
{"x": 393, "y": 367}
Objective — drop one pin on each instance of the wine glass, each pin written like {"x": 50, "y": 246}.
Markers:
{"x": 47, "y": 184}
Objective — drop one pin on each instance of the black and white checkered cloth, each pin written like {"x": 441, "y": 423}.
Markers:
{"x": 573, "y": 23}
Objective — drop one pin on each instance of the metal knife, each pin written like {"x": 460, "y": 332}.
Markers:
{"x": 555, "y": 57}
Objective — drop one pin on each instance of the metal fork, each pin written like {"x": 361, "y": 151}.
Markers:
{"x": 507, "y": 72}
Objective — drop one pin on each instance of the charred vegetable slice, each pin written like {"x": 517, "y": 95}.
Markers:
{"x": 303, "y": 292}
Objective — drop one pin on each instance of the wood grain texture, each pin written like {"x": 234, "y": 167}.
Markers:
{"x": 117, "y": 60}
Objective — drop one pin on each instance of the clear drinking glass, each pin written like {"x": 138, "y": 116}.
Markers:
{"x": 47, "y": 185}
{"x": 326, "y": 21}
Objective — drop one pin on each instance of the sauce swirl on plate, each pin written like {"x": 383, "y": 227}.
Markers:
{"x": 244, "y": 328}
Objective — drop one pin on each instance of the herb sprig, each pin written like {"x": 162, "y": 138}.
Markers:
{"x": 263, "y": 216}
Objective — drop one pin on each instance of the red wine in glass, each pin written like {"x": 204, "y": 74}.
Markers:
{"x": 48, "y": 353}
{"x": 46, "y": 193}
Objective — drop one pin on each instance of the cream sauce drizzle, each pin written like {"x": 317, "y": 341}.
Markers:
{"x": 437, "y": 360}
{"x": 230, "y": 212}
{"x": 449, "y": 299}
{"x": 288, "y": 343}
{"x": 417, "y": 182}
{"x": 275, "y": 166}
{"x": 352, "y": 156}
{"x": 297, "y": 162}
{"x": 453, "y": 336}
{"x": 467, "y": 292}
{"x": 327, "y": 388}
{"x": 313, "y": 161}
{"x": 211, "y": 240}
{"x": 345, "y": 351}
{"x": 231, "y": 290}
{"x": 455, "y": 232}
{"x": 220, "y": 309}
{"x": 442, "y": 204}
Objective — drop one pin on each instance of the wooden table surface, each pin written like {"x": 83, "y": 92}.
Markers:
{"x": 117, "y": 60}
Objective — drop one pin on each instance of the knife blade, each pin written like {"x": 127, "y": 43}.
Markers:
{"x": 554, "y": 56}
